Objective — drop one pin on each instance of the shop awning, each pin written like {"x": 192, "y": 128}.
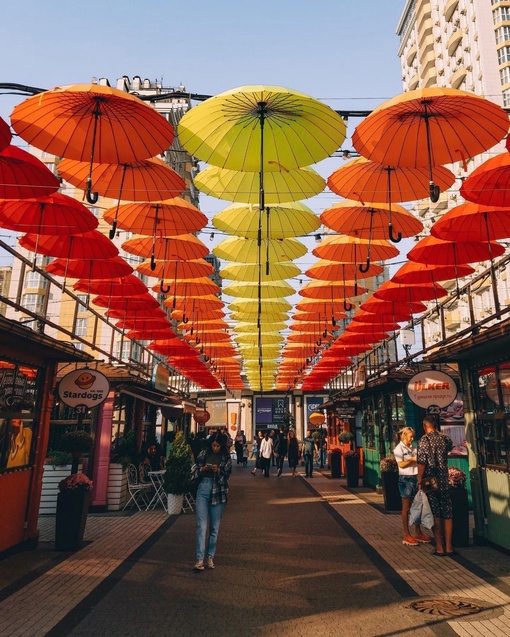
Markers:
{"x": 154, "y": 398}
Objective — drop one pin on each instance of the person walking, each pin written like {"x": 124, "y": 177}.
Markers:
{"x": 212, "y": 471}
{"x": 280, "y": 450}
{"x": 405, "y": 455}
{"x": 239, "y": 443}
{"x": 265, "y": 454}
{"x": 258, "y": 462}
{"x": 309, "y": 453}
{"x": 254, "y": 448}
{"x": 432, "y": 457}
{"x": 293, "y": 451}
{"x": 273, "y": 435}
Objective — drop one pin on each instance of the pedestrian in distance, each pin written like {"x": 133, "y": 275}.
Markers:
{"x": 266, "y": 453}
{"x": 273, "y": 435}
{"x": 309, "y": 450}
{"x": 280, "y": 450}
{"x": 239, "y": 442}
{"x": 405, "y": 455}
{"x": 212, "y": 471}
{"x": 433, "y": 450}
{"x": 258, "y": 461}
{"x": 254, "y": 447}
{"x": 293, "y": 452}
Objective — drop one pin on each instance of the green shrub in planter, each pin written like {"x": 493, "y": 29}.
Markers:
{"x": 59, "y": 458}
{"x": 76, "y": 442}
{"x": 124, "y": 450}
{"x": 345, "y": 437}
{"x": 177, "y": 478}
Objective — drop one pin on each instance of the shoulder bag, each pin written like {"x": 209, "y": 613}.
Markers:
{"x": 430, "y": 483}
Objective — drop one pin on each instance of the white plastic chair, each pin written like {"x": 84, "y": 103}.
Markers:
{"x": 139, "y": 491}
{"x": 188, "y": 502}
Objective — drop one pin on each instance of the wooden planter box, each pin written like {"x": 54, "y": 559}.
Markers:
{"x": 51, "y": 478}
{"x": 117, "y": 487}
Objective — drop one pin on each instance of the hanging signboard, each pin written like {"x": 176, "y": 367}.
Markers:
{"x": 84, "y": 387}
{"x": 432, "y": 388}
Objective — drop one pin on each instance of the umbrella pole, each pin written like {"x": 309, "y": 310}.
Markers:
{"x": 92, "y": 197}
{"x": 113, "y": 229}
{"x": 261, "y": 109}
{"x": 433, "y": 189}
{"x": 398, "y": 237}
{"x": 365, "y": 267}
{"x": 497, "y": 306}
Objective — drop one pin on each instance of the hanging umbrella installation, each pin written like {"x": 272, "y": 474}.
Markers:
{"x": 5, "y": 134}
{"x": 94, "y": 123}
{"x": 353, "y": 250}
{"x": 22, "y": 175}
{"x": 181, "y": 247}
{"x": 429, "y": 127}
{"x": 90, "y": 268}
{"x": 489, "y": 184}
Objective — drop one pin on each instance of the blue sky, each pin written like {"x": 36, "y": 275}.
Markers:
{"x": 343, "y": 52}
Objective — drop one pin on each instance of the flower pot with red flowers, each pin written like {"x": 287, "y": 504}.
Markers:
{"x": 389, "y": 482}
{"x": 352, "y": 468}
{"x": 460, "y": 506}
{"x": 72, "y": 508}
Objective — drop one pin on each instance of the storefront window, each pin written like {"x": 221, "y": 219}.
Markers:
{"x": 493, "y": 415}
{"x": 397, "y": 418}
{"x": 368, "y": 424}
{"x": 18, "y": 400}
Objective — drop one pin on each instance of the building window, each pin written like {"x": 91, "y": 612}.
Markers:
{"x": 501, "y": 14}
{"x": 79, "y": 346}
{"x": 33, "y": 302}
{"x": 504, "y": 75}
{"x": 35, "y": 280}
{"x": 506, "y": 98}
{"x": 502, "y": 34}
{"x": 80, "y": 329}
{"x": 368, "y": 425}
{"x": 504, "y": 55}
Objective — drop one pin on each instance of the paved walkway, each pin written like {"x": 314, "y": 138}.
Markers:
{"x": 296, "y": 557}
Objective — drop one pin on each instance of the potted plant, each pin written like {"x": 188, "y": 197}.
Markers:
{"x": 460, "y": 506}
{"x": 177, "y": 478}
{"x": 389, "y": 481}
{"x": 345, "y": 437}
{"x": 76, "y": 443}
{"x": 352, "y": 467}
{"x": 72, "y": 508}
{"x": 335, "y": 462}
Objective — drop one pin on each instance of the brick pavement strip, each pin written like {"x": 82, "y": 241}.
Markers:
{"x": 53, "y": 595}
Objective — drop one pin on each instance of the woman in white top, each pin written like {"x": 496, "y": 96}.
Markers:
{"x": 405, "y": 455}
{"x": 265, "y": 453}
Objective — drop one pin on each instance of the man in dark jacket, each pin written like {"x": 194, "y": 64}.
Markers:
{"x": 280, "y": 450}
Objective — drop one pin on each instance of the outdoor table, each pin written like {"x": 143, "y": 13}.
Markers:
{"x": 159, "y": 493}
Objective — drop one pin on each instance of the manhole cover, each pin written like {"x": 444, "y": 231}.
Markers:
{"x": 446, "y": 607}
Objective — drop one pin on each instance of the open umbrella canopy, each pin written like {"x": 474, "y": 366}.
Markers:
{"x": 472, "y": 222}
{"x": 253, "y": 316}
{"x": 382, "y": 317}
{"x": 358, "y": 327}
{"x": 413, "y": 272}
{"x": 92, "y": 122}
{"x": 248, "y": 251}
{"x": 5, "y": 134}
{"x": 145, "y": 180}
{"x": 392, "y": 308}
{"x": 325, "y": 307}
{"x": 226, "y": 130}
{"x": 187, "y": 287}
{"x": 265, "y": 338}
{"x": 192, "y": 303}
{"x": 268, "y": 305}
{"x": 335, "y": 271}
{"x": 390, "y": 291}
{"x": 90, "y": 268}
{"x": 125, "y": 286}
{"x": 251, "y": 326}
{"x": 370, "y": 221}
{"x": 489, "y": 184}
{"x": 267, "y": 290}
{"x": 276, "y": 222}
{"x": 331, "y": 290}
{"x": 146, "y": 334}
{"x": 22, "y": 175}
{"x": 366, "y": 180}
{"x": 353, "y": 250}
{"x": 51, "y": 214}
{"x": 131, "y": 302}
{"x": 197, "y": 314}
{"x": 244, "y": 187}
{"x": 440, "y": 252}
{"x": 184, "y": 246}
{"x": 157, "y": 219}
{"x": 251, "y": 272}
{"x": 87, "y": 245}
{"x": 141, "y": 323}
{"x": 137, "y": 314}
{"x": 176, "y": 269}
{"x": 433, "y": 126}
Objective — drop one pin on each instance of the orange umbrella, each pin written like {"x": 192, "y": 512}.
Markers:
{"x": 392, "y": 308}
{"x": 371, "y": 221}
{"x": 51, "y": 214}
{"x": 354, "y": 250}
{"x": 355, "y": 338}
{"x": 22, "y": 175}
{"x": 326, "y": 308}
{"x": 439, "y": 252}
{"x": 489, "y": 184}
{"x": 185, "y": 247}
{"x": 430, "y": 127}
{"x": 331, "y": 290}
{"x": 413, "y": 272}
{"x": 176, "y": 269}
{"x": 125, "y": 286}
{"x": 5, "y": 134}
{"x": 171, "y": 346}
{"x": 335, "y": 271}
{"x": 366, "y": 180}
{"x": 90, "y": 268}
{"x": 472, "y": 222}
{"x": 87, "y": 245}
{"x": 390, "y": 291}
{"x": 381, "y": 316}
{"x": 370, "y": 328}
{"x": 158, "y": 219}
{"x": 94, "y": 123}
{"x": 141, "y": 323}
{"x": 192, "y": 303}
{"x": 147, "y": 334}
{"x": 187, "y": 287}
{"x": 145, "y": 301}
{"x": 137, "y": 314}
{"x": 197, "y": 314}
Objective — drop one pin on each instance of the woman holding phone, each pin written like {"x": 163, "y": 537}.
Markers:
{"x": 212, "y": 470}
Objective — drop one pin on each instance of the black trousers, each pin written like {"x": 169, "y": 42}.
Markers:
{"x": 265, "y": 463}
{"x": 279, "y": 463}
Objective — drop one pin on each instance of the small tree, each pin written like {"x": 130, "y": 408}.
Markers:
{"x": 177, "y": 479}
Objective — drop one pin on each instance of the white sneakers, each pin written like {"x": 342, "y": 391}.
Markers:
{"x": 210, "y": 562}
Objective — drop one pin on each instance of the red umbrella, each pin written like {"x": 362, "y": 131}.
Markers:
{"x": 132, "y": 302}
{"x": 489, "y": 184}
{"x": 147, "y": 334}
{"x": 359, "y": 327}
{"x": 22, "y": 175}
{"x": 381, "y": 317}
{"x": 125, "y": 286}
{"x": 473, "y": 222}
{"x": 90, "y": 268}
{"x": 52, "y": 214}
{"x": 137, "y": 314}
{"x": 175, "y": 269}
{"x": 182, "y": 247}
{"x": 392, "y": 308}
{"x": 142, "y": 323}
{"x": 413, "y": 272}
{"x": 87, "y": 245}
{"x": 440, "y": 252}
{"x": 390, "y": 291}
{"x": 5, "y": 134}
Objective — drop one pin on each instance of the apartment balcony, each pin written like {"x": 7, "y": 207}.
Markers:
{"x": 411, "y": 54}
{"x": 453, "y": 320}
{"x": 458, "y": 77}
{"x": 449, "y": 9}
{"x": 454, "y": 41}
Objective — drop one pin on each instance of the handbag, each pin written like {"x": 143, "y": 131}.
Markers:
{"x": 430, "y": 483}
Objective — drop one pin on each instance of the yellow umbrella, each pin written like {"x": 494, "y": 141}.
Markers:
{"x": 244, "y": 187}
{"x": 268, "y": 305}
{"x": 230, "y": 129}
{"x": 278, "y": 222}
{"x": 251, "y": 272}
{"x": 263, "y": 318}
{"x": 248, "y": 251}
{"x": 251, "y": 326}
{"x": 267, "y": 338}
{"x": 271, "y": 290}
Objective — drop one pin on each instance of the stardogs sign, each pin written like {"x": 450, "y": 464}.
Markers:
{"x": 85, "y": 387}
{"x": 432, "y": 388}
